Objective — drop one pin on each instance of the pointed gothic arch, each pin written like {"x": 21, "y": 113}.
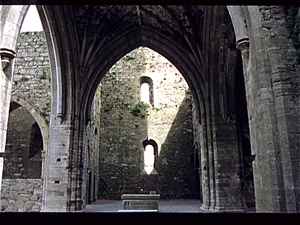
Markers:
{"x": 73, "y": 95}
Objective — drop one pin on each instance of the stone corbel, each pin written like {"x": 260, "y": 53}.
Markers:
{"x": 243, "y": 45}
{"x": 7, "y": 55}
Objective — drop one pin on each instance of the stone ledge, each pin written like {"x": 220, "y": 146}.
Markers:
{"x": 140, "y": 196}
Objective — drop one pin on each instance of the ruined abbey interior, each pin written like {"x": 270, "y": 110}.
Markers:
{"x": 190, "y": 101}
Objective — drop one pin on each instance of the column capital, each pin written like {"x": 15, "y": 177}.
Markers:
{"x": 6, "y": 56}
{"x": 243, "y": 44}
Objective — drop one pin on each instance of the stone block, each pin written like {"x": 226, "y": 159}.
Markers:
{"x": 19, "y": 203}
{"x": 140, "y": 201}
{"x": 11, "y": 208}
{"x": 28, "y": 206}
{"x": 36, "y": 209}
{"x": 38, "y": 191}
{"x": 34, "y": 198}
{"x": 4, "y": 203}
{"x": 14, "y": 195}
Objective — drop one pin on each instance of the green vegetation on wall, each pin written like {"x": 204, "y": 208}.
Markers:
{"x": 140, "y": 109}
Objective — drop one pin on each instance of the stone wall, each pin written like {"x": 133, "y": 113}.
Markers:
{"x": 22, "y": 183}
{"x": 126, "y": 122}
{"x": 21, "y": 195}
{"x": 32, "y": 80}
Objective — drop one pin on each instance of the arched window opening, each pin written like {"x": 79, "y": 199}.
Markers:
{"x": 150, "y": 156}
{"x": 147, "y": 94}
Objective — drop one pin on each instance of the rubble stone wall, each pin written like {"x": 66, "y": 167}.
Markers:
{"x": 21, "y": 195}
{"x": 32, "y": 80}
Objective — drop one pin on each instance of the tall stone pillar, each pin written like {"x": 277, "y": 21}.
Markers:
{"x": 221, "y": 171}
{"x": 6, "y": 66}
{"x": 287, "y": 158}
{"x": 221, "y": 166}
{"x": 228, "y": 167}
{"x": 273, "y": 101}
{"x": 56, "y": 185}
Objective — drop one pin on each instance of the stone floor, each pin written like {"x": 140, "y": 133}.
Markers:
{"x": 168, "y": 206}
{"x": 165, "y": 206}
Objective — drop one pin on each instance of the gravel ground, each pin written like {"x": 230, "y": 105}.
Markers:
{"x": 169, "y": 206}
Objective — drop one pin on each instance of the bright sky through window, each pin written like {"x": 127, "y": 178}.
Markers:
{"x": 32, "y": 20}
{"x": 145, "y": 92}
{"x": 149, "y": 158}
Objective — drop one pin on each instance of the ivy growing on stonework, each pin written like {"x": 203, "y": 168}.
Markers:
{"x": 24, "y": 79}
{"x": 43, "y": 75}
{"x": 293, "y": 25}
{"x": 140, "y": 109}
{"x": 45, "y": 114}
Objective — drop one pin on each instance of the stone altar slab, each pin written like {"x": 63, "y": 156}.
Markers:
{"x": 140, "y": 202}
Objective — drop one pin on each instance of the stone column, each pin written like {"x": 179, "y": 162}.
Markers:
{"x": 56, "y": 185}
{"x": 6, "y": 66}
{"x": 272, "y": 100}
{"x": 287, "y": 158}
{"x": 221, "y": 167}
{"x": 205, "y": 175}
{"x": 227, "y": 165}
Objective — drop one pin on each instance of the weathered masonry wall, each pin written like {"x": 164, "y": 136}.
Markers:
{"x": 21, "y": 195}
{"x": 273, "y": 107}
{"x": 125, "y": 122}
{"x": 22, "y": 183}
{"x": 32, "y": 81}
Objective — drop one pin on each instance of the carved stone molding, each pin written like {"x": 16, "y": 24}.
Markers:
{"x": 243, "y": 44}
{"x": 6, "y": 56}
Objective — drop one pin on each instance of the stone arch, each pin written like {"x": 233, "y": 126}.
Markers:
{"x": 135, "y": 37}
{"x": 12, "y": 17}
{"x": 152, "y": 39}
{"x": 19, "y": 102}
{"x": 36, "y": 115}
{"x": 24, "y": 143}
{"x": 238, "y": 22}
{"x": 58, "y": 47}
